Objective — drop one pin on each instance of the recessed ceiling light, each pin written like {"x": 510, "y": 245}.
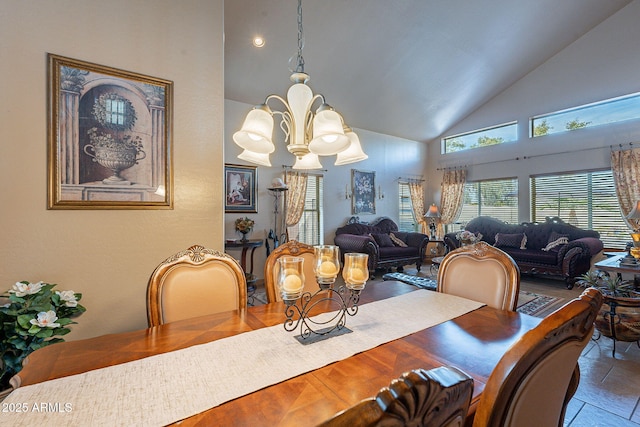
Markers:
{"x": 258, "y": 41}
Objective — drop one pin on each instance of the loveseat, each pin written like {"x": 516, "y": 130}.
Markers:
{"x": 386, "y": 246}
{"x": 553, "y": 248}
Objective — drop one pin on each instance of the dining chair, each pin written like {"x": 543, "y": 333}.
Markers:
{"x": 483, "y": 273}
{"x": 193, "y": 283}
{"x": 435, "y": 397}
{"x": 272, "y": 268}
{"x": 534, "y": 380}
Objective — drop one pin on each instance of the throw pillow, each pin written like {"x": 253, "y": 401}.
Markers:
{"x": 383, "y": 240}
{"x": 397, "y": 241}
{"x": 517, "y": 240}
{"x": 555, "y": 241}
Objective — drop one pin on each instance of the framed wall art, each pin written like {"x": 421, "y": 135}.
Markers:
{"x": 240, "y": 188}
{"x": 109, "y": 136}
{"x": 363, "y": 193}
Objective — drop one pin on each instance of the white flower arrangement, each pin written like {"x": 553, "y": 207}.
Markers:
{"x": 33, "y": 317}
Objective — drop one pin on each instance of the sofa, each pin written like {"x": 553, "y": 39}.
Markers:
{"x": 386, "y": 246}
{"x": 553, "y": 248}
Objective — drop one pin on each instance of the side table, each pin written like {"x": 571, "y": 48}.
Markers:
{"x": 245, "y": 245}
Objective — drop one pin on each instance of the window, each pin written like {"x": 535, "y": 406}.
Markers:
{"x": 584, "y": 199}
{"x": 497, "y": 198}
{"x": 310, "y": 229}
{"x": 115, "y": 111}
{"x": 406, "y": 220}
{"x": 598, "y": 113}
{"x": 500, "y": 134}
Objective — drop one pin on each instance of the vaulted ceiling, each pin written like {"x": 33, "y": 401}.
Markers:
{"x": 408, "y": 68}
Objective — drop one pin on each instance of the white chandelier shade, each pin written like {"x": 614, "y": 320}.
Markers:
{"x": 257, "y": 158}
{"x": 353, "y": 153}
{"x": 328, "y": 134}
{"x": 308, "y": 161}
{"x": 257, "y": 130}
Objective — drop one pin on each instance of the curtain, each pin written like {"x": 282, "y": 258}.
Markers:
{"x": 451, "y": 200}
{"x": 297, "y": 183}
{"x": 416, "y": 192}
{"x": 625, "y": 166}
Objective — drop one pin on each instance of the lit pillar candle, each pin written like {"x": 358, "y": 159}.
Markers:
{"x": 327, "y": 264}
{"x": 356, "y": 275}
{"x": 292, "y": 283}
{"x": 355, "y": 272}
{"x": 291, "y": 277}
{"x": 327, "y": 269}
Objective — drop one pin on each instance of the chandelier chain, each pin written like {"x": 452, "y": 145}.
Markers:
{"x": 300, "y": 64}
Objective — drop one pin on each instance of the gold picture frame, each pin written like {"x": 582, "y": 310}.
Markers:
{"x": 109, "y": 137}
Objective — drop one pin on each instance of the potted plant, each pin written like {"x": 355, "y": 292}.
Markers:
{"x": 33, "y": 316}
{"x": 244, "y": 226}
{"x": 619, "y": 316}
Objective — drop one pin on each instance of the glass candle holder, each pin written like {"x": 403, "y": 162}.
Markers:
{"x": 356, "y": 271}
{"x": 291, "y": 277}
{"x": 327, "y": 264}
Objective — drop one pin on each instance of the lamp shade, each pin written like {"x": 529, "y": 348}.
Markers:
{"x": 308, "y": 161}
{"x": 635, "y": 212}
{"x": 257, "y": 158}
{"x": 353, "y": 153}
{"x": 328, "y": 134}
{"x": 256, "y": 132}
{"x": 432, "y": 212}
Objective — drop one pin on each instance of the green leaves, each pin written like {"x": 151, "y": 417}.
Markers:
{"x": 22, "y": 332}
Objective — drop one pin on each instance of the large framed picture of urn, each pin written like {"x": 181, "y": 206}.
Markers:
{"x": 109, "y": 137}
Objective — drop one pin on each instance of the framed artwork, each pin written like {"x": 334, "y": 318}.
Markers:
{"x": 240, "y": 188}
{"x": 363, "y": 192}
{"x": 109, "y": 136}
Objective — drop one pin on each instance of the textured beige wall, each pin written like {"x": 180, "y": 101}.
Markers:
{"x": 108, "y": 255}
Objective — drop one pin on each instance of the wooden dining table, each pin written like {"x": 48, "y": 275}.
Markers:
{"x": 473, "y": 342}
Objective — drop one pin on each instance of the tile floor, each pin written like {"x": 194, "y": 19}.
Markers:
{"x": 609, "y": 387}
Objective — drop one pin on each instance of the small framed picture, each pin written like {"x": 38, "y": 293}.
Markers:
{"x": 363, "y": 190}
{"x": 240, "y": 188}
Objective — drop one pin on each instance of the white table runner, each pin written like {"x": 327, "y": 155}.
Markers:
{"x": 165, "y": 388}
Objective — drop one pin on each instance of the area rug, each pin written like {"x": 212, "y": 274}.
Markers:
{"x": 536, "y": 304}
{"x": 420, "y": 282}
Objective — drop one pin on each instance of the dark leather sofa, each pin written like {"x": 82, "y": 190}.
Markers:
{"x": 370, "y": 239}
{"x": 565, "y": 261}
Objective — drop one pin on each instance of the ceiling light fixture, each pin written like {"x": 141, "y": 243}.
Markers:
{"x": 309, "y": 134}
{"x": 258, "y": 41}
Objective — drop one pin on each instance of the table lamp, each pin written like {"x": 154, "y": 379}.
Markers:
{"x": 634, "y": 216}
{"x": 433, "y": 215}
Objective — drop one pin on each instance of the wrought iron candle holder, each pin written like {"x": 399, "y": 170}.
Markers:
{"x": 300, "y": 305}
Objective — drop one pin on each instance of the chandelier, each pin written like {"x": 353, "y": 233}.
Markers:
{"x": 308, "y": 133}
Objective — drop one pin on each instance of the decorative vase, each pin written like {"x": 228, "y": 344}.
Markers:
{"x": 115, "y": 159}
{"x": 244, "y": 235}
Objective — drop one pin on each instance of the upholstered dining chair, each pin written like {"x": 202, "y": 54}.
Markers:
{"x": 533, "y": 382}
{"x": 436, "y": 397}
{"x": 193, "y": 283}
{"x": 272, "y": 268}
{"x": 482, "y": 273}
